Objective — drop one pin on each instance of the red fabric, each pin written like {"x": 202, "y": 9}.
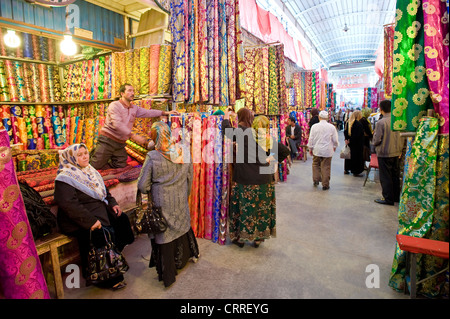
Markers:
{"x": 423, "y": 246}
{"x": 373, "y": 161}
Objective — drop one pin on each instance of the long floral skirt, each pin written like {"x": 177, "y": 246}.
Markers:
{"x": 252, "y": 212}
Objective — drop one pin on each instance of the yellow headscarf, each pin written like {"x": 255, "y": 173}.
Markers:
{"x": 261, "y": 132}
{"x": 160, "y": 133}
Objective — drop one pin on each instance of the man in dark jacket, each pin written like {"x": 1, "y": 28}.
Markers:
{"x": 293, "y": 136}
{"x": 388, "y": 145}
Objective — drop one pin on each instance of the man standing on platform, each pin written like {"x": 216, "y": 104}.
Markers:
{"x": 389, "y": 146}
{"x": 323, "y": 141}
{"x": 119, "y": 122}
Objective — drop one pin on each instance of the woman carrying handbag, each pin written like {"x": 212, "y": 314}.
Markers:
{"x": 86, "y": 210}
{"x": 167, "y": 176}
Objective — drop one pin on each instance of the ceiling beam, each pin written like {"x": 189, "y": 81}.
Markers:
{"x": 349, "y": 15}
{"x": 352, "y": 49}
{"x": 348, "y": 36}
{"x": 365, "y": 44}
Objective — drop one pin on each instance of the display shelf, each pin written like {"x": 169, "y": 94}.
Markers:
{"x": 56, "y": 103}
{"x": 2, "y": 57}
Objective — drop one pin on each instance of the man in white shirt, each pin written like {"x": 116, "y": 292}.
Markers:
{"x": 323, "y": 141}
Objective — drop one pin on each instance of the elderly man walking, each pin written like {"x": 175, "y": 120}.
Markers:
{"x": 323, "y": 141}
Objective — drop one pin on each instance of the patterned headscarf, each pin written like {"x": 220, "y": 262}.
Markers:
{"x": 88, "y": 180}
{"x": 261, "y": 132}
{"x": 160, "y": 133}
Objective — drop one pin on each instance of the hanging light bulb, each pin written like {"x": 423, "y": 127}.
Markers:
{"x": 67, "y": 46}
{"x": 12, "y": 39}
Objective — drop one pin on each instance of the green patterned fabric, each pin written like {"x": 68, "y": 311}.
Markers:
{"x": 252, "y": 212}
{"x": 410, "y": 90}
{"x": 439, "y": 227}
{"x": 417, "y": 201}
{"x": 273, "y": 81}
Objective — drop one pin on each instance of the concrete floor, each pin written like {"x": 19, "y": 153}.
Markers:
{"x": 325, "y": 240}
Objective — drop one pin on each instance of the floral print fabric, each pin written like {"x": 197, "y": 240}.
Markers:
{"x": 410, "y": 91}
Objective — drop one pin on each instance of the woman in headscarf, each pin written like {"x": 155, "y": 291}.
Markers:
{"x": 85, "y": 206}
{"x": 354, "y": 138}
{"x": 167, "y": 176}
{"x": 368, "y": 133}
{"x": 252, "y": 200}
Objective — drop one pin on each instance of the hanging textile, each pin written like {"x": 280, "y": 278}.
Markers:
{"x": 410, "y": 91}
{"x": 249, "y": 60}
{"x": 436, "y": 57}
{"x": 416, "y": 207}
{"x": 388, "y": 63}
{"x": 273, "y": 82}
{"x": 177, "y": 28}
{"x": 211, "y": 50}
{"x": 21, "y": 274}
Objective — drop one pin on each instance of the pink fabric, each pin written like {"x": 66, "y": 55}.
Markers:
{"x": 266, "y": 26}
{"x": 21, "y": 274}
{"x": 436, "y": 58}
{"x": 306, "y": 58}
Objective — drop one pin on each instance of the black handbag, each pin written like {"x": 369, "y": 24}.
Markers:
{"x": 104, "y": 262}
{"x": 148, "y": 220}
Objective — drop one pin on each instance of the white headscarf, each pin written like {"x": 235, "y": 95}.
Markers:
{"x": 87, "y": 179}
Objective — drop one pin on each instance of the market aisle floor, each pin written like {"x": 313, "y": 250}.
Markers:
{"x": 325, "y": 240}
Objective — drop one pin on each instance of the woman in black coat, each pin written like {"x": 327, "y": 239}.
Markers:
{"x": 86, "y": 208}
{"x": 354, "y": 138}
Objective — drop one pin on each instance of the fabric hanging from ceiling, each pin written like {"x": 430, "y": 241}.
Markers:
{"x": 411, "y": 96}
{"x": 208, "y": 55}
{"x": 436, "y": 57}
{"x": 266, "y": 26}
{"x": 388, "y": 52}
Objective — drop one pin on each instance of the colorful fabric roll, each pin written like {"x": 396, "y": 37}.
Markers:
{"x": 164, "y": 69}
{"x": 129, "y": 66}
{"x": 49, "y": 159}
{"x": 21, "y": 275}
{"x": 11, "y": 80}
{"x": 36, "y": 47}
{"x": 20, "y": 81}
{"x": 154, "y": 67}
{"x": 202, "y": 51}
{"x": 218, "y": 168}
{"x": 265, "y": 84}
{"x": 249, "y": 59}
{"x": 96, "y": 79}
{"x": 27, "y": 46}
{"x": 177, "y": 27}
{"x": 43, "y": 46}
{"x": 43, "y": 80}
{"x": 33, "y": 162}
{"x": 57, "y": 131}
{"x": 4, "y": 88}
{"x": 282, "y": 97}
{"x": 8, "y": 127}
{"x": 194, "y": 199}
{"x": 273, "y": 82}
{"x": 144, "y": 69}
{"x": 35, "y": 82}
{"x": 51, "y": 50}
{"x": 223, "y": 55}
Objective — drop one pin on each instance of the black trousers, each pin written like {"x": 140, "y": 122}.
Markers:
{"x": 389, "y": 178}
